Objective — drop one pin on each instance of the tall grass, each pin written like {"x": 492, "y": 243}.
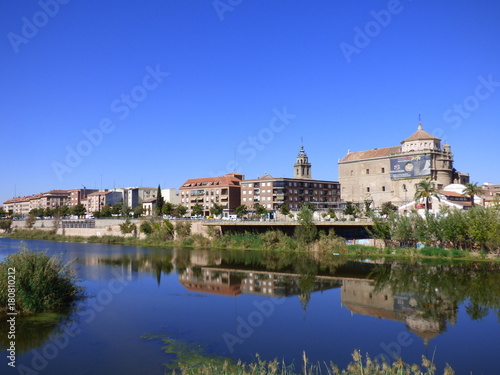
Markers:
{"x": 42, "y": 282}
{"x": 358, "y": 366}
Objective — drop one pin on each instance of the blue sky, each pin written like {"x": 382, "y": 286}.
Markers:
{"x": 178, "y": 89}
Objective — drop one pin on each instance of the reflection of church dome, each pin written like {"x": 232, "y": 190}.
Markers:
{"x": 456, "y": 188}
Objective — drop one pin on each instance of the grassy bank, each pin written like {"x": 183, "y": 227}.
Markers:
{"x": 37, "y": 281}
{"x": 269, "y": 241}
{"x": 194, "y": 359}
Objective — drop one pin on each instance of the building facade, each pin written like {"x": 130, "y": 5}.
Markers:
{"x": 224, "y": 191}
{"x": 272, "y": 192}
{"x": 390, "y": 174}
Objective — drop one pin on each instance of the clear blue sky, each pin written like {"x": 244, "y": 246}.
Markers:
{"x": 179, "y": 86}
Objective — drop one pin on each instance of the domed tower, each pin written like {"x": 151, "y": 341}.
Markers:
{"x": 302, "y": 167}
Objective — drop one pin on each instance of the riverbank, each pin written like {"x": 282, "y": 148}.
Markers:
{"x": 269, "y": 241}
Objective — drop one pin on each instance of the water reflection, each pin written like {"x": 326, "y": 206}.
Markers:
{"x": 33, "y": 331}
{"x": 424, "y": 297}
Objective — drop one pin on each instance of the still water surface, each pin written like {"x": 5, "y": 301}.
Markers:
{"x": 235, "y": 304}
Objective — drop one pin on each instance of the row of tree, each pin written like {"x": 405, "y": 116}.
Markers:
{"x": 476, "y": 228}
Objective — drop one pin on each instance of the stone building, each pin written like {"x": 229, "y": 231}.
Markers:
{"x": 391, "y": 174}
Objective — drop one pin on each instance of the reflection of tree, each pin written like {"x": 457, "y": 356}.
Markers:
{"x": 182, "y": 261}
{"x": 34, "y": 330}
{"x": 430, "y": 285}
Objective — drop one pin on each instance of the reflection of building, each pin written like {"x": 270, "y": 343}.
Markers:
{"x": 234, "y": 282}
{"x": 360, "y": 297}
{"x": 390, "y": 174}
{"x": 216, "y": 282}
{"x": 272, "y": 192}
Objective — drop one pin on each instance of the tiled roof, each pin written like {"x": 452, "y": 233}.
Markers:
{"x": 371, "y": 154}
{"x": 452, "y": 194}
{"x": 211, "y": 182}
{"x": 420, "y": 135}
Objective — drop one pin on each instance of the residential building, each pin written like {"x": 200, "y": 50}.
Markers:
{"x": 273, "y": 192}
{"x": 223, "y": 190}
{"x": 391, "y": 174}
{"x": 95, "y": 201}
{"x": 170, "y": 196}
{"x": 50, "y": 199}
{"x": 76, "y": 195}
{"x": 491, "y": 194}
{"x": 134, "y": 196}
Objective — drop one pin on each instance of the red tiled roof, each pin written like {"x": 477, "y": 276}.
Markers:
{"x": 420, "y": 135}
{"x": 211, "y": 182}
{"x": 452, "y": 194}
{"x": 371, "y": 154}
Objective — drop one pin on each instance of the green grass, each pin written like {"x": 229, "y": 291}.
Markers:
{"x": 42, "y": 283}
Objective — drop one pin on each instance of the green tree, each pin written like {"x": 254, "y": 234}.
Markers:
{"x": 138, "y": 210}
{"x": 285, "y": 209}
{"x": 159, "y": 201}
{"x": 388, "y": 208}
{"x": 331, "y": 212}
{"x": 2, "y": 212}
{"x": 168, "y": 209}
{"x": 116, "y": 209}
{"x": 126, "y": 210}
{"x": 197, "y": 210}
{"x": 128, "y": 227}
{"x": 216, "y": 210}
{"x": 106, "y": 211}
{"x": 309, "y": 206}
{"x": 349, "y": 208}
{"x": 426, "y": 190}
{"x": 306, "y": 232}
{"x": 30, "y": 221}
{"x": 63, "y": 210}
{"x": 5, "y": 225}
{"x": 472, "y": 189}
{"x": 181, "y": 210}
{"x": 78, "y": 210}
{"x": 260, "y": 210}
{"x": 146, "y": 227}
{"x": 241, "y": 210}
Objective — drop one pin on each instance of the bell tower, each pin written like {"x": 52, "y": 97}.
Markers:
{"x": 302, "y": 167}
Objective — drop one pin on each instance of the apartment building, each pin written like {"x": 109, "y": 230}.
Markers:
{"x": 272, "y": 192}
{"x": 95, "y": 201}
{"x": 223, "y": 190}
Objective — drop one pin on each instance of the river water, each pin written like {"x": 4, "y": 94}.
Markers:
{"x": 147, "y": 309}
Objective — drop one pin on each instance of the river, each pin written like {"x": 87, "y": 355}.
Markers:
{"x": 201, "y": 304}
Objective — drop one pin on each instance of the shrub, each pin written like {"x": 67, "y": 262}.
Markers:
{"x": 5, "y": 225}
{"x": 183, "y": 229}
{"x": 41, "y": 282}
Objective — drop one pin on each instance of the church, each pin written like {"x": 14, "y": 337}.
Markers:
{"x": 391, "y": 174}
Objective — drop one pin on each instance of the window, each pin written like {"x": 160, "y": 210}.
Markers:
{"x": 367, "y": 189}
{"x": 244, "y": 191}
{"x": 383, "y": 170}
{"x": 367, "y": 171}
{"x": 383, "y": 188}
